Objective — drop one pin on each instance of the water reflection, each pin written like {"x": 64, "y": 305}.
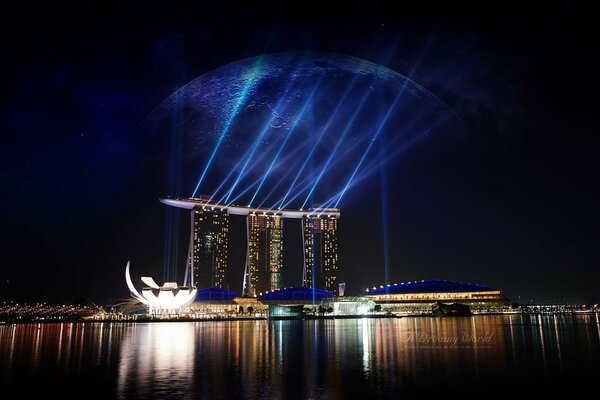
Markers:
{"x": 155, "y": 359}
{"x": 300, "y": 359}
{"x": 366, "y": 342}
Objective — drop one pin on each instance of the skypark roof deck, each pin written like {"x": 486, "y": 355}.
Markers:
{"x": 190, "y": 203}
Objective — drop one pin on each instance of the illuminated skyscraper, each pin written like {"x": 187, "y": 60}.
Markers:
{"x": 265, "y": 253}
{"x": 207, "y": 257}
{"x": 321, "y": 256}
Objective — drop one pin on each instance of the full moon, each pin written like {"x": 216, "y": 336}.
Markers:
{"x": 291, "y": 128}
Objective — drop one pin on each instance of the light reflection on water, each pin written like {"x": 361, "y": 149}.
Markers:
{"x": 283, "y": 359}
{"x": 163, "y": 352}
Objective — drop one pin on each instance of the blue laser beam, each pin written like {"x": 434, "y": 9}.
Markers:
{"x": 254, "y": 183}
{"x": 379, "y": 130}
{"x": 349, "y": 125}
{"x": 310, "y": 179}
{"x": 172, "y": 223}
{"x": 282, "y": 162}
{"x": 322, "y": 132}
{"x": 388, "y": 114}
{"x": 370, "y": 168}
{"x": 307, "y": 102}
{"x": 256, "y": 144}
{"x": 391, "y": 144}
{"x": 240, "y": 100}
{"x": 281, "y": 179}
{"x": 374, "y": 165}
{"x": 384, "y": 214}
{"x": 235, "y": 167}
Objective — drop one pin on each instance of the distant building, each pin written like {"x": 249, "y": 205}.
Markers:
{"x": 214, "y": 301}
{"x": 321, "y": 255}
{"x": 349, "y": 305}
{"x": 290, "y": 302}
{"x": 168, "y": 299}
{"x": 423, "y": 294}
{"x": 294, "y": 296}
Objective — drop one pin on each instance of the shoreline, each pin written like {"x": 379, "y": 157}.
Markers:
{"x": 265, "y": 318}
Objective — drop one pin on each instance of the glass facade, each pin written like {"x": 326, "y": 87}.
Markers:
{"x": 421, "y": 295}
{"x": 209, "y": 246}
{"x": 265, "y": 253}
{"x": 321, "y": 255}
{"x": 427, "y": 297}
{"x": 277, "y": 311}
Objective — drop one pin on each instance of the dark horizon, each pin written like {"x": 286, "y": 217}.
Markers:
{"x": 510, "y": 202}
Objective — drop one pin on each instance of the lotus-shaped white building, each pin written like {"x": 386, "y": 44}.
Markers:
{"x": 166, "y": 299}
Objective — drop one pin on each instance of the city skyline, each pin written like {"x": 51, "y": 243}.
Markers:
{"x": 506, "y": 196}
{"x": 306, "y": 201}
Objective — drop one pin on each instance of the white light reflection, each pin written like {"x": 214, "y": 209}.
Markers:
{"x": 157, "y": 358}
{"x": 280, "y": 340}
{"x": 557, "y": 335}
{"x": 541, "y": 335}
{"x": 366, "y": 340}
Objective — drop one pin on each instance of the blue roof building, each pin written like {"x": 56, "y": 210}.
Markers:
{"x": 428, "y": 286}
{"x": 295, "y": 295}
{"x": 432, "y": 291}
{"x": 214, "y": 294}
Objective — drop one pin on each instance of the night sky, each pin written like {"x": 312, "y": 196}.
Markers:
{"x": 511, "y": 202}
